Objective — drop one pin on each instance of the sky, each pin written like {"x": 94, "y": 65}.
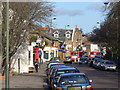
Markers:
{"x": 83, "y": 14}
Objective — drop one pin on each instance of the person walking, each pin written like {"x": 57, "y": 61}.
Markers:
{"x": 36, "y": 65}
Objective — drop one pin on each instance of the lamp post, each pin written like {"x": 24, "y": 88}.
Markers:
{"x": 0, "y": 35}
{"x": 7, "y": 46}
{"x": 51, "y": 24}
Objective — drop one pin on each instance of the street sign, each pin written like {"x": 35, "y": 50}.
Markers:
{"x": 64, "y": 50}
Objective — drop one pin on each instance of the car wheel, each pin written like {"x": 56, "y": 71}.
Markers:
{"x": 114, "y": 70}
{"x": 104, "y": 68}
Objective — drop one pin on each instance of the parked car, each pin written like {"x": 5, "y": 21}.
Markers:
{"x": 84, "y": 60}
{"x": 53, "y": 61}
{"x": 50, "y": 62}
{"x": 96, "y": 62}
{"x": 52, "y": 71}
{"x": 60, "y": 71}
{"x": 51, "y": 65}
{"x": 72, "y": 81}
{"x": 57, "y": 59}
{"x": 98, "y": 56}
{"x": 67, "y": 60}
{"x": 108, "y": 65}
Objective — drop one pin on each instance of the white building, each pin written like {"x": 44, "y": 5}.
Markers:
{"x": 20, "y": 61}
{"x": 49, "y": 52}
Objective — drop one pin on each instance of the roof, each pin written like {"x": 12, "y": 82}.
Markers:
{"x": 62, "y": 33}
{"x": 67, "y": 68}
{"x": 72, "y": 74}
{"x": 44, "y": 28}
{"x": 45, "y": 35}
{"x": 61, "y": 66}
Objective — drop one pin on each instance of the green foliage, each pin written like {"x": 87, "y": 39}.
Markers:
{"x": 108, "y": 34}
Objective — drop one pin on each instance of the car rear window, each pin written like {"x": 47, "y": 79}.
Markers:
{"x": 78, "y": 79}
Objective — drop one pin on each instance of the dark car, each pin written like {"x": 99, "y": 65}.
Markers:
{"x": 52, "y": 62}
{"x": 84, "y": 60}
{"x": 56, "y": 58}
{"x": 62, "y": 71}
{"x": 52, "y": 71}
{"x": 72, "y": 81}
{"x": 67, "y": 60}
{"x": 96, "y": 62}
{"x": 98, "y": 56}
{"x": 51, "y": 65}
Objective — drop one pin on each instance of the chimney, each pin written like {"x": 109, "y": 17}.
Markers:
{"x": 76, "y": 28}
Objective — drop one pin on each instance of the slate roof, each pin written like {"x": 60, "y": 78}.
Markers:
{"x": 62, "y": 33}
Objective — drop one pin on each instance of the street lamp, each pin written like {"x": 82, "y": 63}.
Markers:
{"x": 67, "y": 26}
{"x": 106, "y": 3}
{"x": 51, "y": 24}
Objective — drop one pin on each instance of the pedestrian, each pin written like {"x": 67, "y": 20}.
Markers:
{"x": 36, "y": 65}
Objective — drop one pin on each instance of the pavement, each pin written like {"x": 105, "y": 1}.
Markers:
{"x": 30, "y": 80}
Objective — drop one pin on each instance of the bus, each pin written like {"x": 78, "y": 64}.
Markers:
{"x": 94, "y": 53}
{"x": 76, "y": 55}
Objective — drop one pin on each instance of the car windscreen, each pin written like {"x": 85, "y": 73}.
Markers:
{"x": 74, "y": 53}
{"x": 77, "y": 79}
{"x": 57, "y": 58}
{"x": 67, "y": 58}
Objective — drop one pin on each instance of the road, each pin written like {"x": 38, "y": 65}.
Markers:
{"x": 101, "y": 79}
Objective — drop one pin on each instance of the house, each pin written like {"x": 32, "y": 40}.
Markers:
{"x": 22, "y": 61}
{"x": 70, "y": 39}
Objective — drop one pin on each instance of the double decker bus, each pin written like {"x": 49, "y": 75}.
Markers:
{"x": 76, "y": 55}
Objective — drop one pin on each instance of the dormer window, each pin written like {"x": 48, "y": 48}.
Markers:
{"x": 68, "y": 34}
{"x": 56, "y": 34}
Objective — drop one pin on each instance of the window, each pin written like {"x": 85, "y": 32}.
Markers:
{"x": 67, "y": 35}
{"x": 56, "y": 35}
{"x": 87, "y": 46}
{"x": 45, "y": 54}
{"x": 73, "y": 80}
{"x": 74, "y": 53}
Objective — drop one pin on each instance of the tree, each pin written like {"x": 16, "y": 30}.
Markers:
{"x": 24, "y": 17}
{"x": 108, "y": 33}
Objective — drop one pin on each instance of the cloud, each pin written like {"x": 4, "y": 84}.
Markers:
{"x": 61, "y": 11}
{"x": 97, "y": 7}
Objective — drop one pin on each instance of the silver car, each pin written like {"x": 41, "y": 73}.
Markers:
{"x": 108, "y": 65}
